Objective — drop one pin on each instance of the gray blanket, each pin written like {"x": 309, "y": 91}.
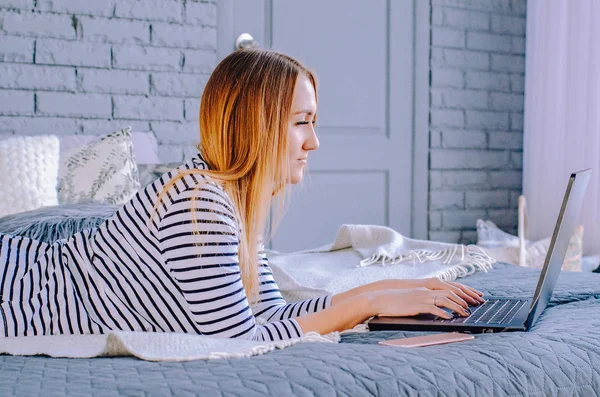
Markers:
{"x": 559, "y": 356}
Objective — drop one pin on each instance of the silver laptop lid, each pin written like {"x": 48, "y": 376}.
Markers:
{"x": 565, "y": 224}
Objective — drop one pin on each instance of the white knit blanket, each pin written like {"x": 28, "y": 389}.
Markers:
{"x": 362, "y": 254}
{"x": 150, "y": 346}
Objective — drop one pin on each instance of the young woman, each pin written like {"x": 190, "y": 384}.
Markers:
{"x": 185, "y": 254}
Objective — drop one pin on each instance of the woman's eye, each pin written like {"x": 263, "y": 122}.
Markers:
{"x": 306, "y": 122}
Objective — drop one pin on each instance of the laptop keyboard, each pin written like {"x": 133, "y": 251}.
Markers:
{"x": 493, "y": 311}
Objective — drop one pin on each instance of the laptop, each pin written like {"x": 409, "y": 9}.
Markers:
{"x": 500, "y": 314}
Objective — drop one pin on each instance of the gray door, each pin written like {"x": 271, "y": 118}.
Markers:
{"x": 369, "y": 169}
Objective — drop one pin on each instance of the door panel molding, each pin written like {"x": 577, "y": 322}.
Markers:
{"x": 420, "y": 188}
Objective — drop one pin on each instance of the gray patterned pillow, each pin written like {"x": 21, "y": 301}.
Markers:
{"x": 101, "y": 171}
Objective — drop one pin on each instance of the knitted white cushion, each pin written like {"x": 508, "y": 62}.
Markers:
{"x": 103, "y": 171}
{"x": 28, "y": 173}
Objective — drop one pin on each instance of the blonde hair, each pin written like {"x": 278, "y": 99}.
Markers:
{"x": 244, "y": 115}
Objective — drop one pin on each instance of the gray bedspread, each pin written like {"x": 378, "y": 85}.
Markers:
{"x": 559, "y": 356}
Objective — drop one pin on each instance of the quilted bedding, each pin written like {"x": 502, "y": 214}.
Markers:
{"x": 559, "y": 356}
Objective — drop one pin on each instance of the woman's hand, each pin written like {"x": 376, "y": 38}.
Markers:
{"x": 396, "y": 298}
{"x": 471, "y": 295}
{"x": 468, "y": 294}
{"x": 411, "y": 302}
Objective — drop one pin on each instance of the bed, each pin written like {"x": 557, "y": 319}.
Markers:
{"x": 559, "y": 356}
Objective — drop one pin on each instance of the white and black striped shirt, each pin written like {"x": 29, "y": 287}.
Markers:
{"x": 168, "y": 275}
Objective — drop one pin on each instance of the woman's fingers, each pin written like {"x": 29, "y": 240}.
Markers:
{"x": 457, "y": 299}
{"x": 436, "y": 311}
{"x": 473, "y": 299}
{"x": 473, "y": 293}
{"x": 467, "y": 293}
{"x": 447, "y": 302}
{"x": 466, "y": 288}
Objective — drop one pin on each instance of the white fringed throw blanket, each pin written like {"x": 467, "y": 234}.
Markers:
{"x": 350, "y": 261}
{"x": 150, "y": 346}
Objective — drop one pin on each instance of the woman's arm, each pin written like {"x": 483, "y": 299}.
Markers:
{"x": 270, "y": 304}
{"x": 347, "y": 313}
{"x": 344, "y": 315}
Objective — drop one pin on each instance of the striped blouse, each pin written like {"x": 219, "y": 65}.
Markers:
{"x": 167, "y": 274}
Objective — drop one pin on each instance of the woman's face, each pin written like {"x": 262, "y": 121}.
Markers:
{"x": 302, "y": 138}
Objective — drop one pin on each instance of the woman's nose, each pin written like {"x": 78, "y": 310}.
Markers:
{"x": 312, "y": 143}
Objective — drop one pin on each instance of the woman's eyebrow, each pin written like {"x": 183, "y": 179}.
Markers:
{"x": 308, "y": 112}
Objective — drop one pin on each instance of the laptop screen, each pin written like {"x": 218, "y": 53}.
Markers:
{"x": 565, "y": 224}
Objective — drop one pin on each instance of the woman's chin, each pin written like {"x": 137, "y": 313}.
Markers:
{"x": 295, "y": 179}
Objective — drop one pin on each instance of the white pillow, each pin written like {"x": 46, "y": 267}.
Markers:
{"x": 28, "y": 173}
{"x": 104, "y": 171}
{"x": 145, "y": 145}
{"x": 505, "y": 247}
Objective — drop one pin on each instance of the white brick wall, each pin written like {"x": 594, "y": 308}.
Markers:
{"x": 91, "y": 67}
{"x": 17, "y": 103}
{"x": 476, "y": 113}
{"x": 66, "y": 104}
